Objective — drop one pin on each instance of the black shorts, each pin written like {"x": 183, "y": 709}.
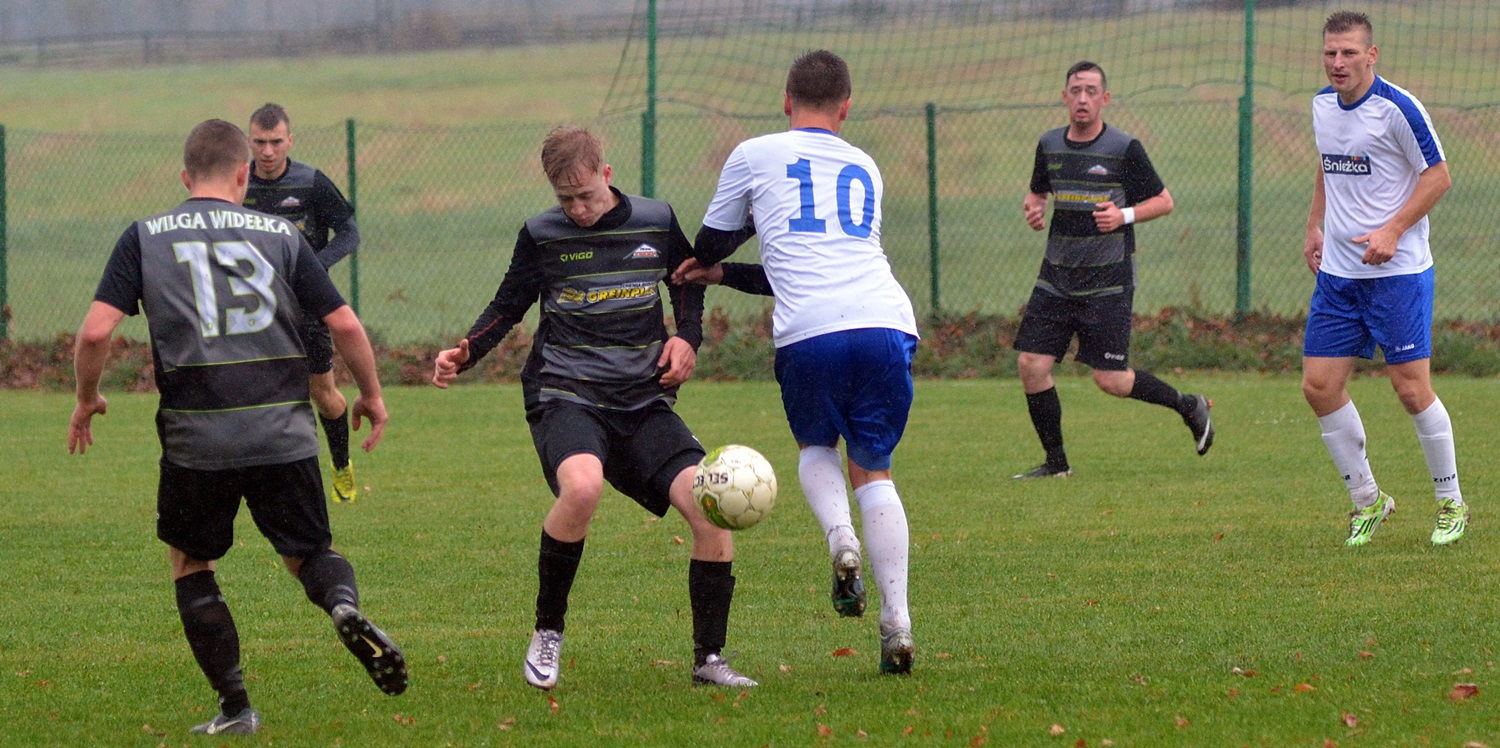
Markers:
{"x": 318, "y": 343}
{"x": 1102, "y": 324}
{"x": 195, "y": 509}
{"x": 642, "y": 450}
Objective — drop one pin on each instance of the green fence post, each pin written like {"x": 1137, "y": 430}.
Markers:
{"x": 648, "y": 117}
{"x": 350, "y": 159}
{"x": 1246, "y": 171}
{"x": 932, "y": 208}
{"x": 4, "y": 298}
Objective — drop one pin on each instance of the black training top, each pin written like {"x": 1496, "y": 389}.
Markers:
{"x": 311, "y": 201}
{"x": 1082, "y": 261}
{"x": 601, "y": 331}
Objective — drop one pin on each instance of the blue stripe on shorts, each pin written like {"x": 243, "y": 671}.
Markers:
{"x": 853, "y": 383}
{"x": 1350, "y": 316}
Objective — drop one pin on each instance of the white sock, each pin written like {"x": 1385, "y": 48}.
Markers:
{"x": 1435, "y": 433}
{"x": 821, "y": 471}
{"x": 886, "y": 542}
{"x": 1344, "y": 435}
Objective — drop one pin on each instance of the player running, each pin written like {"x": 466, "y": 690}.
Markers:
{"x": 221, "y": 287}
{"x": 1101, "y": 182}
{"x": 1381, "y": 170}
{"x": 843, "y": 327}
{"x": 307, "y": 198}
{"x": 600, "y": 384}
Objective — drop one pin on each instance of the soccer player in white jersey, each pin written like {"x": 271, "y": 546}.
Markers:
{"x": 843, "y": 327}
{"x": 1381, "y": 170}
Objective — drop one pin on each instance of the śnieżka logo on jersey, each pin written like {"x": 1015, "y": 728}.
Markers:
{"x": 1339, "y": 164}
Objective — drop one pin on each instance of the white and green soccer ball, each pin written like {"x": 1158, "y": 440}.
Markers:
{"x": 735, "y": 486}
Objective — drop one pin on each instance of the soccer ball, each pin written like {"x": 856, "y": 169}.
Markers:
{"x": 735, "y": 486}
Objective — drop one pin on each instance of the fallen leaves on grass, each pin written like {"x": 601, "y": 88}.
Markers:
{"x": 402, "y": 719}
{"x": 663, "y": 663}
{"x": 845, "y": 652}
{"x": 553, "y": 705}
{"x": 1304, "y": 687}
{"x": 1182, "y": 721}
{"x": 508, "y": 724}
{"x": 1365, "y": 654}
{"x": 678, "y": 539}
{"x": 1463, "y": 691}
{"x": 1057, "y": 729}
{"x": 1245, "y": 673}
{"x": 785, "y": 668}
{"x": 824, "y": 731}
{"x": 909, "y": 729}
{"x": 1349, "y": 720}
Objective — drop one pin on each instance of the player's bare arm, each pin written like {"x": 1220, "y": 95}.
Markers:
{"x": 1034, "y": 208}
{"x": 352, "y": 343}
{"x": 1110, "y": 217}
{"x": 677, "y": 362}
{"x": 1312, "y": 245}
{"x": 89, "y": 354}
{"x": 1380, "y": 244}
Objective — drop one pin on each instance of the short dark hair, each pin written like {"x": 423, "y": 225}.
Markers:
{"x": 1348, "y": 20}
{"x": 269, "y": 115}
{"x": 568, "y": 150}
{"x": 1083, "y": 66}
{"x": 215, "y": 148}
{"x": 819, "y": 79}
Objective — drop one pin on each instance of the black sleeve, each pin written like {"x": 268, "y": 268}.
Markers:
{"x": 687, "y": 300}
{"x": 338, "y": 215}
{"x": 748, "y": 277}
{"x": 121, "y": 285}
{"x": 1140, "y": 181}
{"x": 713, "y": 245}
{"x": 1041, "y": 184}
{"x": 315, "y": 291}
{"x": 519, "y": 289}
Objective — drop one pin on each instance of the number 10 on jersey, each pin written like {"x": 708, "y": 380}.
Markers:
{"x": 807, "y": 220}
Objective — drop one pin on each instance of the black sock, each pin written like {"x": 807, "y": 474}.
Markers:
{"x": 710, "y": 590}
{"x": 213, "y": 638}
{"x": 328, "y": 580}
{"x": 556, "y": 565}
{"x": 1149, "y": 389}
{"x": 337, "y": 429}
{"x": 1046, "y": 417}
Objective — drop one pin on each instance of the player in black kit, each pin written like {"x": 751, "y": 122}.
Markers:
{"x": 600, "y": 383}
{"x": 307, "y": 198}
{"x": 1101, "y": 182}
{"x": 223, "y": 289}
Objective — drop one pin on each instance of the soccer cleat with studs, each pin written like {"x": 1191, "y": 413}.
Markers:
{"x": 380, "y": 656}
{"x": 1200, "y": 421}
{"x": 896, "y": 652}
{"x": 244, "y": 723}
{"x": 542, "y": 658}
{"x": 1364, "y": 521}
{"x": 1044, "y": 470}
{"x": 344, "y": 489}
{"x": 715, "y": 671}
{"x": 1452, "y": 520}
{"x": 848, "y": 589}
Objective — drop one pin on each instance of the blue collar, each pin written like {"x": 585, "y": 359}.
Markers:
{"x": 816, "y": 129}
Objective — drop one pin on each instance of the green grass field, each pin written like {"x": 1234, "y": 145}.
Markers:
{"x": 1157, "y": 598}
{"x": 447, "y": 162}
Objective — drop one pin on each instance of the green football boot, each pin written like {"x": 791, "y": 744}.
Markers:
{"x": 1452, "y": 520}
{"x": 1362, "y": 522}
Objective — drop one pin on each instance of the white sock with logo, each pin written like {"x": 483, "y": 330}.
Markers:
{"x": 1344, "y": 435}
{"x": 887, "y": 541}
{"x": 1435, "y": 433}
{"x": 821, "y": 471}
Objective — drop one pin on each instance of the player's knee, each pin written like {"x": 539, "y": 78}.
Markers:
{"x": 1116, "y": 383}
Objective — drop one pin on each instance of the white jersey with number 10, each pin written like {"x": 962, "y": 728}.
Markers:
{"x": 815, "y": 200}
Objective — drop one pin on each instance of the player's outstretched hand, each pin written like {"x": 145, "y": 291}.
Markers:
{"x": 80, "y": 426}
{"x": 1108, "y": 217}
{"x": 692, "y": 272}
{"x": 372, "y": 408}
{"x": 678, "y": 359}
{"x": 1312, "y": 249}
{"x": 1380, "y": 245}
{"x": 445, "y": 368}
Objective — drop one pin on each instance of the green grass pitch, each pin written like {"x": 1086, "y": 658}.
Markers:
{"x": 1156, "y": 598}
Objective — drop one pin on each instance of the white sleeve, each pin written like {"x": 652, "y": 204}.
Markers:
{"x": 730, "y": 209}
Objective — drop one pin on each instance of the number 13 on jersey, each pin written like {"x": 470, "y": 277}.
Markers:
{"x": 807, "y": 220}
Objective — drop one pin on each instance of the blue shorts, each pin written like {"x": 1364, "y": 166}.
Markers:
{"x": 1350, "y": 316}
{"x": 853, "y": 383}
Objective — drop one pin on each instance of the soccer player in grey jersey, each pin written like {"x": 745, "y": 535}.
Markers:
{"x": 600, "y": 383}
{"x": 1101, "y": 183}
{"x": 311, "y": 201}
{"x": 224, "y": 289}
